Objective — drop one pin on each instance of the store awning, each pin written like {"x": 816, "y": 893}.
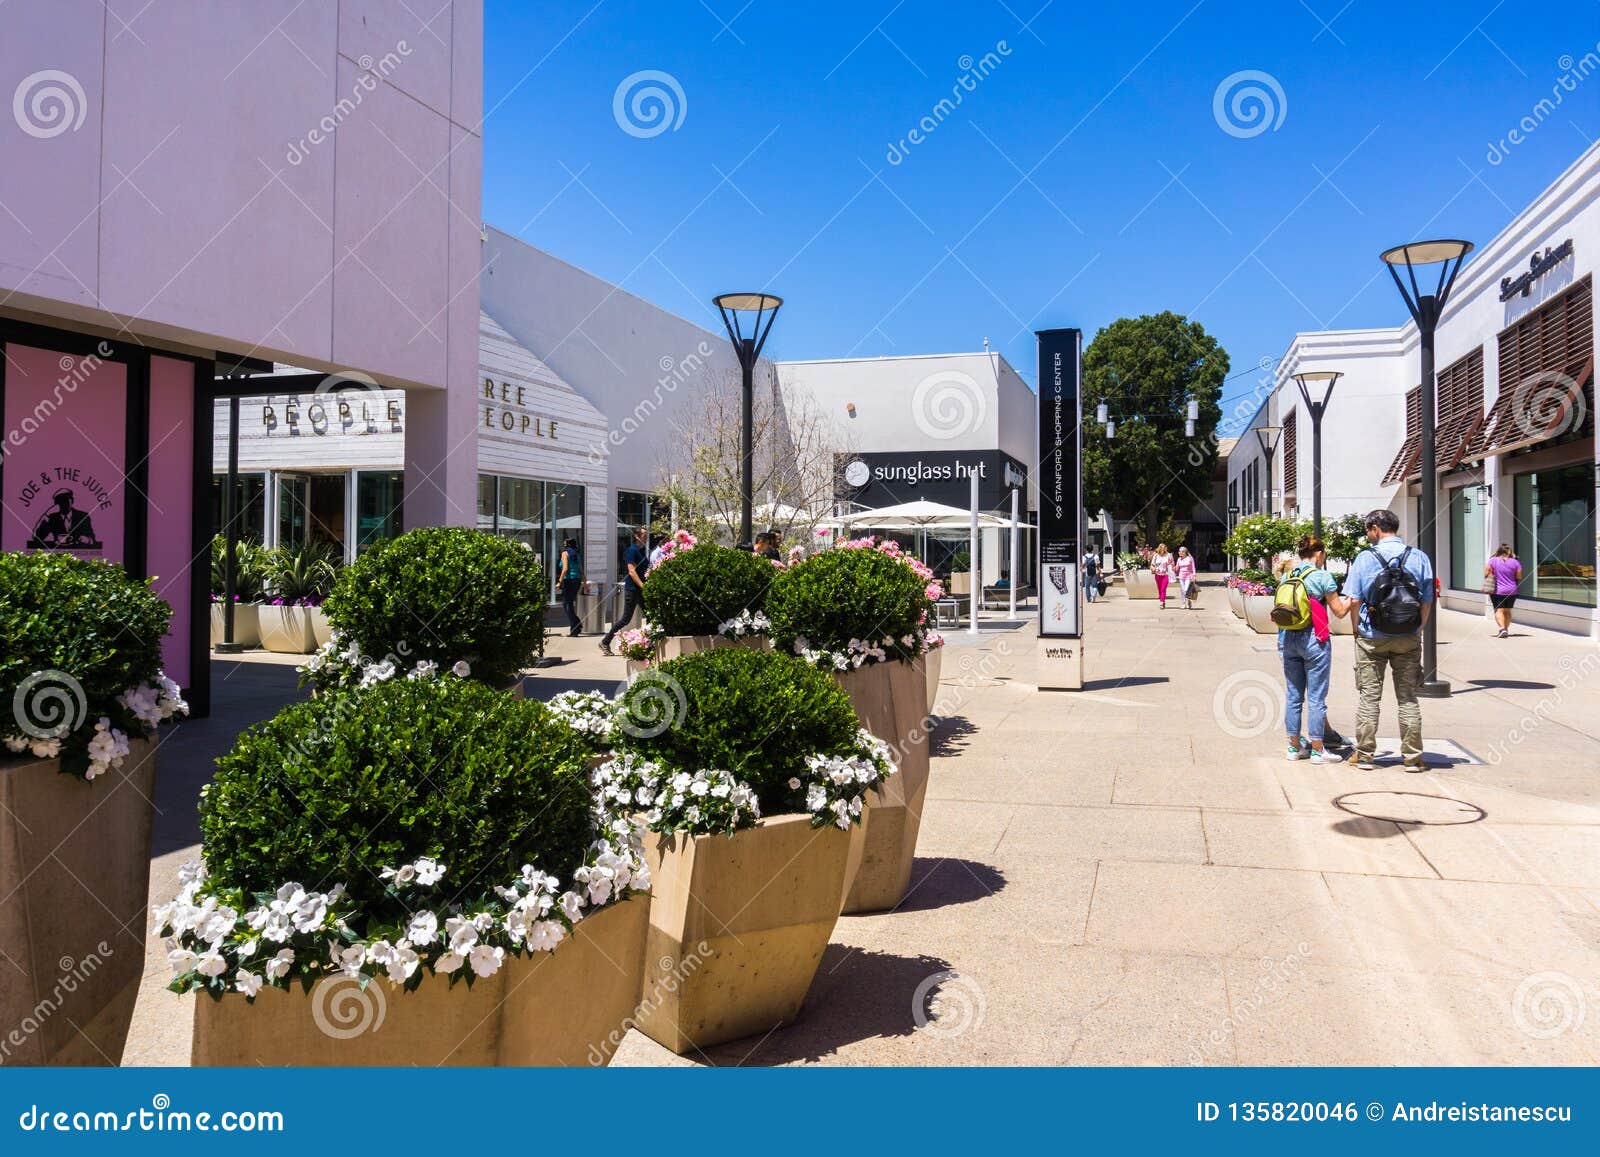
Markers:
{"x": 1537, "y": 409}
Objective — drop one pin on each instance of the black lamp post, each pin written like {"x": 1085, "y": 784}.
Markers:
{"x": 1321, "y": 383}
{"x": 735, "y": 308}
{"x": 1425, "y": 310}
{"x": 1268, "y": 436}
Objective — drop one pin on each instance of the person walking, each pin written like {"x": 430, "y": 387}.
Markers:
{"x": 767, "y": 546}
{"x": 1184, "y": 568}
{"x": 1305, "y": 646}
{"x": 636, "y": 564}
{"x": 1161, "y": 566}
{"x": 569, "y": 580}
{"x": 1091, "y": 575}
{"x": 1390, "y": 591}
{"x": 1503, "y": 576}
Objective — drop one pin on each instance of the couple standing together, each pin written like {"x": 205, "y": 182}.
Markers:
{"x": 1390, "y": 592}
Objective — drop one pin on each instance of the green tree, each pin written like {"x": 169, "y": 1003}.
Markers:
{"x": 1145, "y": 370}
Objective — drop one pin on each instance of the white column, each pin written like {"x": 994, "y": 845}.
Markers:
{"x": 1014, "y": 555}
{"x": 972, "y": 550}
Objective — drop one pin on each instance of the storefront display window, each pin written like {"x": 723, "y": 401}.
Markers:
{"x": 540, "y": 514}
{"x": 1467, "y": 553}
{"x": 633, "y": 511}
{"x": 379, "y": 506}
{"x": 1555, "y": 534}
{"x": 250, "y": 500}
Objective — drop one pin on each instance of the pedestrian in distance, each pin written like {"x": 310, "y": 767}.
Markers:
{"x": 1390, "y": 590}
{"x": 1091, "y": 575}
{"x": 1184, "y": 568}
{"x": 1161, "y": 566}
{"x": 1502, "y": 578}
{"x": 1307, "y": 594}
{"x": 569, "y": 581}
{"x": 635, "y": 565}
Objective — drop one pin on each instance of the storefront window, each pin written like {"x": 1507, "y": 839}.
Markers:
{"x": 1467, "y": 554}
{"x": 633, "y": 511}
{"x": 378, "y": 506}
{"x": 250, "y": 500}
{"x": 1555, "y": 534}
{"x": 311, "y": 511}
{"x": 540, "y": 514}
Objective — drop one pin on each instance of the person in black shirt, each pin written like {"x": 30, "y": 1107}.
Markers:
{"x": 569, "y": 580}
{"x": 636, "y": 564}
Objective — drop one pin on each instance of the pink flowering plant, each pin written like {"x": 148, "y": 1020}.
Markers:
{"x": 639, "y": 643}
{"x": 864, "y": 602}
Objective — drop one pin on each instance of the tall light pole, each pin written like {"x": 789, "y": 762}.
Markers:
{"x": 1269, "y": 436}
{"x": 736, "y": 309}
{"x": 1425, "y": 309}
{"x": 1316, "y": 388}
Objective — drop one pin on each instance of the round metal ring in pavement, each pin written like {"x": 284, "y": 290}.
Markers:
{"x": 1410, "y": 807}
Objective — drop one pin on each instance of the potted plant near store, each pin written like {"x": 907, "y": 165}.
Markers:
{"x": 861, "y": 613}
{"x": 704, "y": 595}
{"x": 1235, "y": 596}
{"x": 81, "y": 680}
{"x": 458, "y": 598}
{"x": 346, "y": 913}
{"x": 296, "y": 579}
{"x": 248, "y": 574}
{"x": 751, "y": 771}
{"x": 1257, "y": 590}
{"x": 1136, "y": 576}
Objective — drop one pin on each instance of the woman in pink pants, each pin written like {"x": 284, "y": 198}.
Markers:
{"x": 1161, "y": 566}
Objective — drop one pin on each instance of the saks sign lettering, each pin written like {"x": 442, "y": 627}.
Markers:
{"x": 497, "y": 415}
{"x": 322, "y": 412}
{"x": 1538, "y": 265}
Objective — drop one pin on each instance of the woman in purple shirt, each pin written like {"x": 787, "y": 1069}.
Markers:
{"x": 1505, "y": 572}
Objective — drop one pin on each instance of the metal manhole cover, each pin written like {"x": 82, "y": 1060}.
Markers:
{"x": 1410, "y": 807}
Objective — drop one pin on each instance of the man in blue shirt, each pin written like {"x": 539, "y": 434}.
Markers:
{"x": 1376, "y": 651}
{"x": 636, "y": 564}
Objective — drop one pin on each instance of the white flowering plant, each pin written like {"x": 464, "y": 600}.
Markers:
{"x": 863, "y": 602}
{"x": 80, "y": 671}
{"x": 340, "y": 665}
{"x": 704, "y": 802}
{"x": 592, "y": 714}
{"x": 746, "y": 624}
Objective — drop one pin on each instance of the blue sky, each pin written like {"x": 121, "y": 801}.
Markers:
{"x": 1086, "y": 176}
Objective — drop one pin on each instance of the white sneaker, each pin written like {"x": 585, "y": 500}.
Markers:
{"x": 1294, "y": 753}
{"x": 1326, "y": 756}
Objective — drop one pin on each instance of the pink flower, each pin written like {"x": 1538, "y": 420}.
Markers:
{"x": 934, "y": 591}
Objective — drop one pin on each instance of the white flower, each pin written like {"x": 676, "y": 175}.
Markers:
{"x": 545, "y": 935}
{"x": 794, "y": 783}
{"x": 211, "y": 964}
{"x": 423, "y": 928}
{"x": 400, "y": 876}
{"x": 461, "y": 669}
{"x": 279, "y": 965}
{"x": 349, "y": 959}
{"x": 247, "y": 982}
{"x": 402, "y": 962}
{"x": 485, "y": 959}
{"x": 462, "y": 934}
{"x": 449, "y": 962}
{"x": 572, "y": 905}
{"x": 181, "y": 960}
{"x": 426, "y": 669}
{"x": 429, "y": 871}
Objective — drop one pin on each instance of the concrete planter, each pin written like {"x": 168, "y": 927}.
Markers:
{"x": 738, "y": 926}
{"x": 566, "y": 1007}
{"x": 287, "y": 630}
{"x": 674, "y": 646}
{"x": 1258, "y": 613}
{"x": 891, "y": 701}
{"x": 637, "y": 667}
{"x": 246, "y": 624}
{"x": 933, "y": 662}
{"x": 960, "y": 583}
{"x": 321, "y": 629}
{"x": 1236, "y": 602}
{"x": 74, "y": 882}
{"x": 1141, "y": 584}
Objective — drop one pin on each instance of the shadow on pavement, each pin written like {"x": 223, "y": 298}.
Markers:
{"x": 949, "y": 735}
{"x": 938, "y": 883}
{"x": 546, "y": 685}
{"x": 1123, "y": 681}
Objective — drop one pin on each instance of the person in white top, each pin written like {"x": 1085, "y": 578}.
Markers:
{"x": 1162, "y": 567}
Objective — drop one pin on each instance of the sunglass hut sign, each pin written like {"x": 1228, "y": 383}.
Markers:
{"x": 505, "y": 411}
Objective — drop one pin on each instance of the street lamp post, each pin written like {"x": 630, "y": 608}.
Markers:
{"x": 1320, "y": 382}
{"x": 1425, "y": 309}
{"x": 735, "y": 309}
{"x": 1269, "y": 436}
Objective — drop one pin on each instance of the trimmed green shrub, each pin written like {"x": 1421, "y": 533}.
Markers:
{"x": 756, "y": 714}
{"x": 78, "y": 633}
{"x": 852, "y": 605}
{"x": 335, "y": 789}
{"x": 443, "y": 595}
{"x": 695, "y": 591}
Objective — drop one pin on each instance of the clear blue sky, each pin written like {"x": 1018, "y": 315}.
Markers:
{"x": 1084, "y": 178}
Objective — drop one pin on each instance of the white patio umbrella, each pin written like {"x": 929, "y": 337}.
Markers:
{"x": 919, "y": 515}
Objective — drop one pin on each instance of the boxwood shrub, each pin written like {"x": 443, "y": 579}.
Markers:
{"x": 443, "y": 595}
{"x": 333, "y": 790}
{"x": 847, "y": 606}
{"x": 695, "y": 591}
{"x": 756, "y": 714}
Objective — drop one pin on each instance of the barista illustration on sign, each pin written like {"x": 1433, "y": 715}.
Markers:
{"x": 64, "y": 526}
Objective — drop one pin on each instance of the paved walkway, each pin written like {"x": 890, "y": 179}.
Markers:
{"x": 1132, "y": 874}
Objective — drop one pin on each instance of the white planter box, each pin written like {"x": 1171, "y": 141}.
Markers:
{"x": 1236, "y": 602}
{"x": 934, "y": 661}
{"x": 1258, "y": 613}
{"x": 1141, "y": 584}
{"x": 246, "y": 624}
{"x": 287, "y": 630}
{"x": 321, "y": 629}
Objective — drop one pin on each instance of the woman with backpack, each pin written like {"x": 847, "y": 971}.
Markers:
{"x": 1301, "y": 608}
{"x": 569, "y": 580}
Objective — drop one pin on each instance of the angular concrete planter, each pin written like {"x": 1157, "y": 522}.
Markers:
{"x": 960, "y": 583}
{"x": 737, "y": 928}
{"x": 1141, "y": 584}
{"x": 674, "y": 646}
{"x": 1258, "y": 613}
{"x": 567, "y": 1007}
{"x": 321, "y": 629}
{"x": 1236, "y": 602}
{"x": 933, "y": 662}
{"x": 74, "y": 883}
{"x": 891, "y": 701}
{"x": 246, "y": 624}
{"x": 287, "y": 630}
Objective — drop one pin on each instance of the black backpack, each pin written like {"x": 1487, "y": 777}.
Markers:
{"x": 1394, "y": 600}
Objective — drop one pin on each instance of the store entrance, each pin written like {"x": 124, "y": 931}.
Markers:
{"x": 311, "y": 511}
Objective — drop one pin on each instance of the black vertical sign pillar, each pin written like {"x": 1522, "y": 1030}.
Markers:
{"x": 1060, "y": 483}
